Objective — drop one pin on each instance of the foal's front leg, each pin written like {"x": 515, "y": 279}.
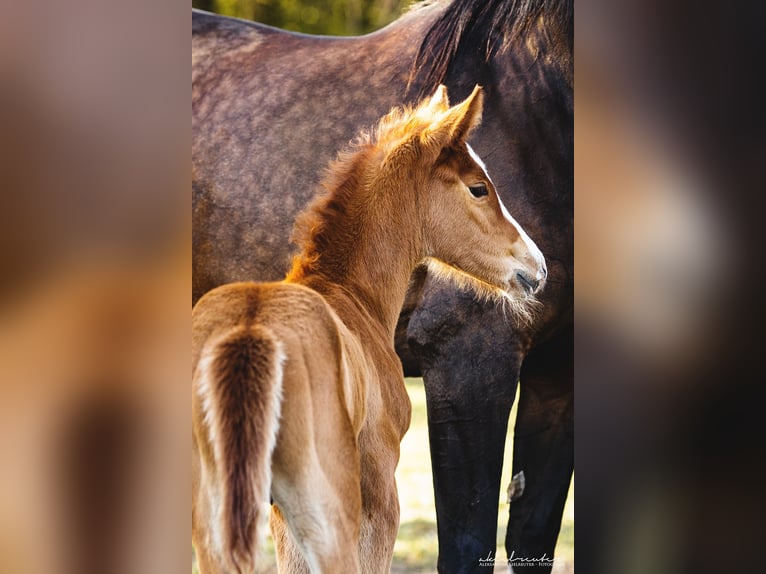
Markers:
{"x": 380, "y": 509}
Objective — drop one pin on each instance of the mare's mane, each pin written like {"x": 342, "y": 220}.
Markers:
{"x": 486, "y": 26}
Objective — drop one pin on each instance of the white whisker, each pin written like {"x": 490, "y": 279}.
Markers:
{"x": 522, "y": 310}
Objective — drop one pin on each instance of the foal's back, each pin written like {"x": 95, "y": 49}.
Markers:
{"x": 313, "y": 340}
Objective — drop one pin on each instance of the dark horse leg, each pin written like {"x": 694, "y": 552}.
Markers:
{"x": 543, "y": 449}
{"x": 470, "y": 372}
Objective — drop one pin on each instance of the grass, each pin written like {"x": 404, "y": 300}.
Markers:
{"x": 416, "y": 546}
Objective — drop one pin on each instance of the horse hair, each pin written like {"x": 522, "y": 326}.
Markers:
{"x": 487, "y": 25}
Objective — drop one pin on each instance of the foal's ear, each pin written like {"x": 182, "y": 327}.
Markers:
{"x": 453, "y": 126}
{"x": 439, "y": 101}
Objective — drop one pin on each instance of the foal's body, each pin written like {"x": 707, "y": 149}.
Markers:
{"x": 298, "y": 392}
{"x": 316, "y": 469}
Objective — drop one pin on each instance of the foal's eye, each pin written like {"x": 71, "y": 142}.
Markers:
{"x": 478, "y": 190}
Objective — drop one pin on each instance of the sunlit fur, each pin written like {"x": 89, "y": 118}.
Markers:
{"x": 343, "y": 178}
{"x": 298, "y": 391}
{"x": 521, "y": 310}
{"x": 397, "y": 132}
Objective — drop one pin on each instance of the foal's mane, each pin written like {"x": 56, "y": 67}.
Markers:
{"x": 486, "y": 26}
{"x": 329, "y": 214}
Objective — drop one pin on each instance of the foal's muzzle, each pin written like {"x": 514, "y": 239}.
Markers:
{"x": 531, "y": 284}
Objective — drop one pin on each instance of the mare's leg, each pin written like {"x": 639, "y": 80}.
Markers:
{"x": 470, "y": 369}
{"x": 543, "y": 449}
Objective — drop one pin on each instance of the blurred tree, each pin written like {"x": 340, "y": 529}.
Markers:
{"x": 208, "y": 5}
{"x": 336, "y": 17}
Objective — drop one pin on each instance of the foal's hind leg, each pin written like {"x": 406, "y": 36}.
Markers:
{"x": 208, "y": 561}
{"x": 315, "y": 480}
{"x": 289, "y": 557}
{"x": 317, "y": 495}
{"x": 317, "y": 516}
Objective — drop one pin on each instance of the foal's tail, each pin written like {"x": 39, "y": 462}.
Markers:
{"x": 242, "y": 390}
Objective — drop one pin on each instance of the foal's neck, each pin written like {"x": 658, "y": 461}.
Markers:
{"x": 365, "y": 243}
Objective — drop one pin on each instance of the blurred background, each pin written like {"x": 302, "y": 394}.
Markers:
{"x": 95, "y": 275}
{"x": 331, "y": 17}
{"x": 668, "y": 144}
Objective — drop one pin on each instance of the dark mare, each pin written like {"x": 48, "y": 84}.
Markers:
{"x": 269, "y": 110}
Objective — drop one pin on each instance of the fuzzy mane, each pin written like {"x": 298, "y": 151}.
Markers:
{"x": 485, "y": 26}
{"x": 317, "y": 227}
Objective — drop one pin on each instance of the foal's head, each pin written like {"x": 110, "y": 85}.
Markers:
{"x": 463, "y": 221}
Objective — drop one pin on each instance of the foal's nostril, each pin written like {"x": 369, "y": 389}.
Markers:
{"x": 527, "y": 282}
